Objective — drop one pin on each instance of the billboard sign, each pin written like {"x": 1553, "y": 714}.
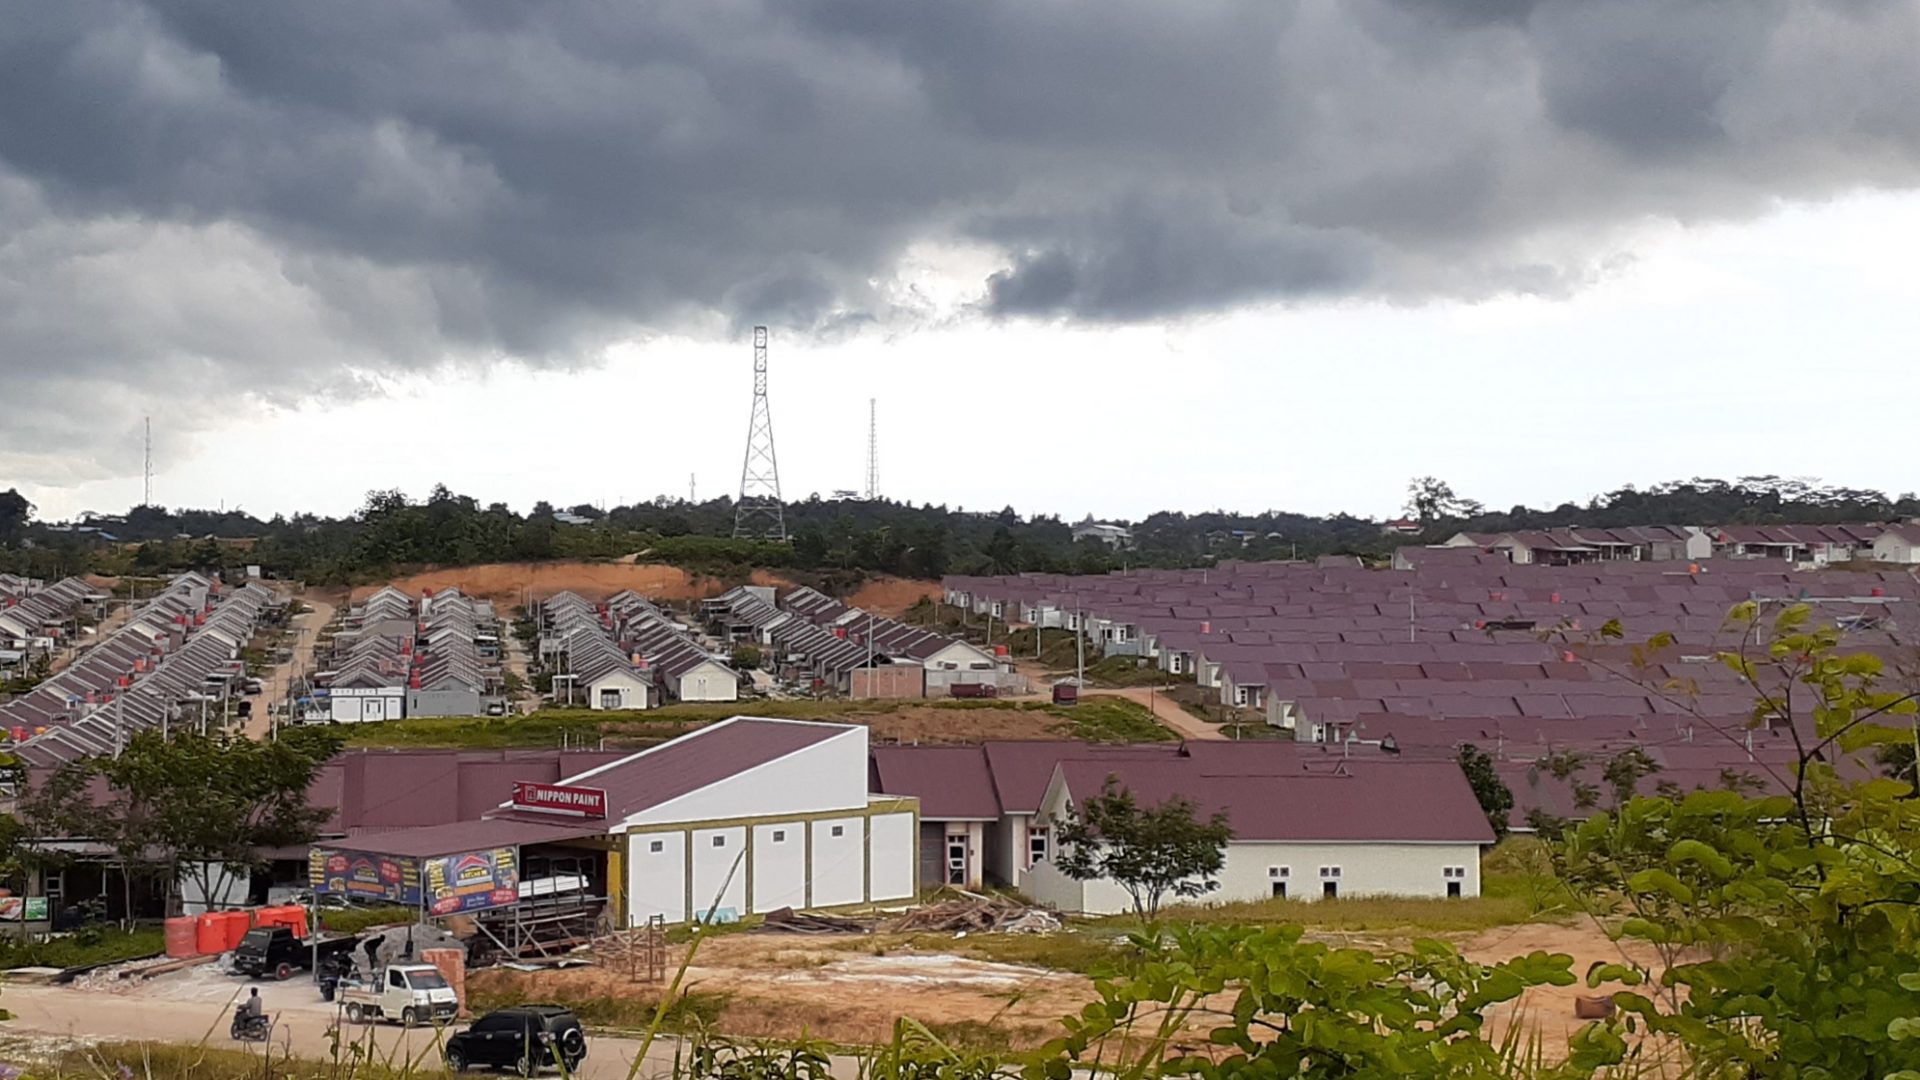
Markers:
{"x": 558, "y": 799}
{"x": 468, "y": 881}
{"x": 472, "y": 881}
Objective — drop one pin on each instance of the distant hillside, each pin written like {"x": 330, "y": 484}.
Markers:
{"x": 840, "y": 544}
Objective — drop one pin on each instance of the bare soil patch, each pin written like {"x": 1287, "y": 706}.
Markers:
{"x": 847, "y": 990}
{"x": 891, "y": 596}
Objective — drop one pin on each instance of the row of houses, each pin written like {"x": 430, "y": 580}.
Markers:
{"x": 1818, "y": 545}
{"x": 177, "y": 654}
{"x": 393, "y": 657}
{"x": 1464, "y": 646}
{"x": 627, "y": 653}
{"x": 36, "y": 617}
{"x": 828, "y": 646}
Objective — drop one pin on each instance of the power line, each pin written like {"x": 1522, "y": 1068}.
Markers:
{"x": 760, "y": 514}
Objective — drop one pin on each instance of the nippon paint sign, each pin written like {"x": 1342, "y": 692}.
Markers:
{"x": 560, "y": 799}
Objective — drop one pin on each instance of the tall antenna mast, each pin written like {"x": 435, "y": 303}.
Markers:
{"x": 873, "y": 449}
{"x": 146, "y": 490}
{"x": 760, "y": 514}
{"x": 691, "y": 498}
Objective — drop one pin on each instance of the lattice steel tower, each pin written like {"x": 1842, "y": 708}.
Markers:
{"x": 760, "y": 515}
{"x": 873, "y": 450}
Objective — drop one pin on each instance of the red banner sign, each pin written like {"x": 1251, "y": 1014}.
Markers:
{"x": 556, "y": 799}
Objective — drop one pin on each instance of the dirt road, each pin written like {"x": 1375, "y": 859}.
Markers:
{"x": 307, "y": 627}
{"x": 1167, "y": 711}
{"x": 301, "y": 1024}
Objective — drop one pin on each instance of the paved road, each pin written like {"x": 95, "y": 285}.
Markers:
{"x": 302, "y": 1023}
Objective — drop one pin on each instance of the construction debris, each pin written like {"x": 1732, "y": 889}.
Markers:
{"x": 788, "y": 921}
{"x": 973, "y": 913}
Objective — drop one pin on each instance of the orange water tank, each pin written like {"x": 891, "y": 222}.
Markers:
{"x": 182, "y": 937}
{"x": 234, "y": 926}
{"x": 209, "y": 933}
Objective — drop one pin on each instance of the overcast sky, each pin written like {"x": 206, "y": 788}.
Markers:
{"x": 1109, "y": 260}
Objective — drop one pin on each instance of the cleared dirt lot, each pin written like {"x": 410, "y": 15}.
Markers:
{"x": 510, "y": 583}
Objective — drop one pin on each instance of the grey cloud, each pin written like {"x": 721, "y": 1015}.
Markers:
{"x": 198, "y": 199}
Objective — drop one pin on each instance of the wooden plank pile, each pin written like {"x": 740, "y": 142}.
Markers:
{"x": 973, "y": 913}
{"x": 788, "y": 921}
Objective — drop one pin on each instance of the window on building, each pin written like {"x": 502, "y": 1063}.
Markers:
{"x": 1329, "y": 871}
{"x": 1036, "y": 844}
{"x": 779, "y": 836}
{"x": 610, "y": 699}
{"x": 1279, "y": 871}
{"x": 839, "y": 830}
{"x": 719, "y": 841}
{"x": 657, "y": 846}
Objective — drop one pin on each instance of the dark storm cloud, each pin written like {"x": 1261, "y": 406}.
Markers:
{"x": 204, "y": 198}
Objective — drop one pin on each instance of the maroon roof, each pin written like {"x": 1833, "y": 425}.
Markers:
{"x": 663, "y": 773}
{"x": 1277, "y": 797}
{"x": 466, "y": 836}
{"x": 1021, "y": 769}
{"x": 951, "y": 782}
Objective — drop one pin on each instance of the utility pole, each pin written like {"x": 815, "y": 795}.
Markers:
{"x": 1079, "y": 648}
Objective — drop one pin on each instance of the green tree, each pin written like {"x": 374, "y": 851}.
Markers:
{"x": 746, "y": 657}
{"x": 1151, "y": 852}
{"x": 14, "y": 512}
{"x": 1785, "y": 929}
{"x": 1493, "y": 794}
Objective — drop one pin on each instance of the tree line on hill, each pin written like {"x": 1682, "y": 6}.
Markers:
{"x": 847, "y": 538}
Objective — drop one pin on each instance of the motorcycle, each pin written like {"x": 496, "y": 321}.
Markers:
{"x": 249, "y": 1028}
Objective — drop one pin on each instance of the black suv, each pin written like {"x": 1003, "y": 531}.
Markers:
{"x": 524, "y": 1038}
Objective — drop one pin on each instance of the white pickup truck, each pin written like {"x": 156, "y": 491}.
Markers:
{"x": 409, "y": 993}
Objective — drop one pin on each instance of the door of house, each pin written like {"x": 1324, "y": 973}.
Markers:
{"x": 957, "y": 860}
{"x": 610, "y": 699}
{"x": 373, "y": 708}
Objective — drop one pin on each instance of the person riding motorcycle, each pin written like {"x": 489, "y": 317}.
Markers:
{"x": 250, "y": 1018}
{"x": 255, "y": 1011}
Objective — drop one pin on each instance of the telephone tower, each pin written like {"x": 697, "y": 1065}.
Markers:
{"x": 760, "y": 515}
{"x": 873, "y": 450}
{"x": 146, "y": 489}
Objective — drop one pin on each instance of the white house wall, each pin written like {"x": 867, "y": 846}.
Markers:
{"x": 779, "y": 866}
{"x": 715, "y": 851}
{"x": 894, "y": 867}
{"x": 828, "y": 776}
{"x": 657, "y": 880}
{"x": 839, "y": 862}
{"x": 1366, "y": 869}
{"x": 709, "y": 682}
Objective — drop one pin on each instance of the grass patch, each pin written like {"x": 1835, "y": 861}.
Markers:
{"x": 692, "y": 1010}
{"x": 548, "y": 727}
{"x": 93, "y": 945}
{"x": 1099, "y": 718}
{"x": 355, "y": 920}
{"x": 1123, "y": 671}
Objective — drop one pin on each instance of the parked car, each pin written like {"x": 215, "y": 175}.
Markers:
{"x": 273, "y": 950}
{"x": 410, "y": 993}
{"x": 524, "y": 1038}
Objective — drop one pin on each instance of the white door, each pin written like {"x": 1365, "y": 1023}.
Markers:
{"x": 373, "y": 708}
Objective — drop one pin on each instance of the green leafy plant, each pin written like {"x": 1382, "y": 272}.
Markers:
{"x": 1151, "y": 852}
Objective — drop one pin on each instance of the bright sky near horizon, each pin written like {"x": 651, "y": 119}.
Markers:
{"x": 1531, "y": 250}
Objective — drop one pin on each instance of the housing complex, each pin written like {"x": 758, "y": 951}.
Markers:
{"x": 177, "y": 651}
{"x": 627, "y": 653}
{"x": 393, "y": 657}
{"x": 819, "y": 644}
